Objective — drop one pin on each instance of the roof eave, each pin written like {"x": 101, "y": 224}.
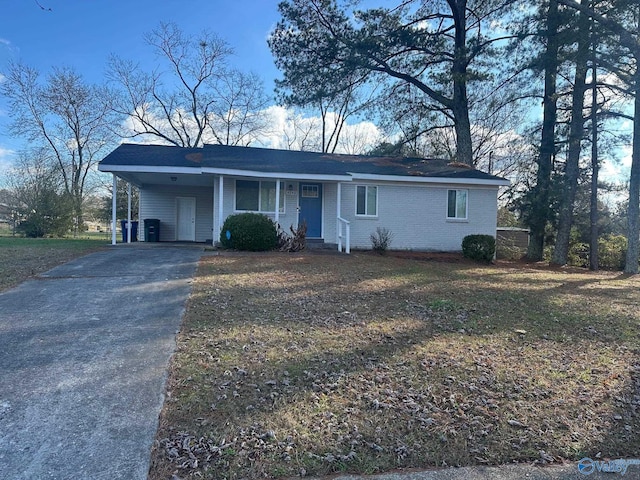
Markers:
{"x": 348, "y": 177}
{"x": 149, "y": 169}
{"x": 276, "y": 175}
{"x": 498, "y": 182}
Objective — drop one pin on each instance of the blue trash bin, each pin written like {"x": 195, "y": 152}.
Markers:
{"x": 134, "y": 230}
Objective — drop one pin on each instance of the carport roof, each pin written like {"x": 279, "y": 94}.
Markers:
{"x": 225, "y": 159}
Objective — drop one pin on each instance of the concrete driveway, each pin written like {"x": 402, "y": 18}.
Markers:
{"x": 84, "y": 351}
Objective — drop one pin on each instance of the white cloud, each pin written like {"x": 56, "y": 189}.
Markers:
{"x": 617, "y": 171}
{"x": 8, "y": 46}
{"x": 291, "y": 130}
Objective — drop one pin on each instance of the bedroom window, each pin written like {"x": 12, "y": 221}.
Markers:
{"x": 366, "y": 200}
{"x": 457, "y": 204}
{"x": 258, "y": 196}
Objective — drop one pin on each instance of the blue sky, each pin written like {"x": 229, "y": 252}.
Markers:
{"x": 83, "y": 33}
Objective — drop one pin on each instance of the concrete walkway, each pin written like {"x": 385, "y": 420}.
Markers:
{"x": 84, "y": 351}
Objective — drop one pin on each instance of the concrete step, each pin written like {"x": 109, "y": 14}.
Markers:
{"x": 320, "y": 244}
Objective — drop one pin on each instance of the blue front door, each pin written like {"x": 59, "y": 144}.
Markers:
{"x": 311, "y": 208}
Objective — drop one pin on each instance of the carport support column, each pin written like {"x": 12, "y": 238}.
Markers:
{"x": 213, "y": 212}
{"x": 277, "y": 216}
{"x": 114, "y": 195}
{"x": 338, "y": 211}
{"x": 128, "y": 213}
{"x": 220, "y": 199}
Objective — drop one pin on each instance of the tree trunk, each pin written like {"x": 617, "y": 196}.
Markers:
{"x": 464, "y": 144}
{"x": 633, "y": 230}
{"x": 540, "y": 201}
{"x": 576, "y": 134}
{"x": 595, "y": 167}
{"x": 460, "y": 101}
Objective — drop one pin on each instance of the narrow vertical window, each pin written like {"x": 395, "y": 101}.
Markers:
{"x": 367, "y": 200}
{"x": 267, "y": 196}
{"x": 457, "y": 204}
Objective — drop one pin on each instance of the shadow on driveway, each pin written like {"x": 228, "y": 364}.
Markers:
{"x": 84, "y": 350}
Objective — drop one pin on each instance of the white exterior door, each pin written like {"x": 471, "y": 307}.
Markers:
{"x": 186, "y": 219}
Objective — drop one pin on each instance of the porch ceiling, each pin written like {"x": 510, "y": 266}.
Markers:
{"x": 140, "y": 179}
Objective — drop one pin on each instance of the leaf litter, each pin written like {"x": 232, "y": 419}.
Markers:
{"x": 306, "y": 364}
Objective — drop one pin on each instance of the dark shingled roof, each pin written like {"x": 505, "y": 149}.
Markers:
{"x": 285, "y": 161}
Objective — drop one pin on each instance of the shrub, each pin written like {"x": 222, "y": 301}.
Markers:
{"x": 578, "y": 255}
{"x": 508, "y": 250}
{"x": 294, "y": 242}
{"x": 249, "y": 231}
{"x": 51, "y": 215}
{"x": 381, "y": 240}
{"x": 612, "y": 252}
{"x": 479, "y": 247}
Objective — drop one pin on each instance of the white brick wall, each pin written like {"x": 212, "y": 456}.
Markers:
{"x": 415, "y": 214}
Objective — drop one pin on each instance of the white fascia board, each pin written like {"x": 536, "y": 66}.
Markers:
{"x": 149, "y": 169}
{"x": 416, "y": 179}
{"x": 277, "y": 175}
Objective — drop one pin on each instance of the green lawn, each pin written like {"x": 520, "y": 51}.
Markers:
{"x": 21, "y": 258}
{"x": 310, "y": 364}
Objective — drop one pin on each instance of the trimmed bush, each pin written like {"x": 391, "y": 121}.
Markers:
{"x": 479, "y": 247}
{"x": 249, "y": 231}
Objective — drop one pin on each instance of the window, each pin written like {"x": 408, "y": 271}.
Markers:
{"x": 367, "y": 200}
{"x": 310, "y": 191}
{"x": 255, "y": 196}
{"x": 247, "y": 195}
{"x": 457, "y": 204}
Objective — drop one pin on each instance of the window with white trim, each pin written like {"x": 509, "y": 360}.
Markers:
{"x": 457, "y": 202}
{"x": 258, "y": 196}
{"x": 310, "y": 191}
{"x": 366, "y": 200}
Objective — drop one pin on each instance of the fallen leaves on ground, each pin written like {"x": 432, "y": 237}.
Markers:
{"x": 308, "y": 364}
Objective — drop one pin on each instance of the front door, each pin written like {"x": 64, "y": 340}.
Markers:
{"x": 311, "y": 208}
{"x": 186, "y": 219}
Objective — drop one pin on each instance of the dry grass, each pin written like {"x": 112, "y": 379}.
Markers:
{"x": 21, "y": 258}
{"x": 310, "y": 364}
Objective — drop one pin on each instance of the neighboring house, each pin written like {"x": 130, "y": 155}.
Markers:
{"x": 5, "y": 214}
{"x": 426, "y": 204}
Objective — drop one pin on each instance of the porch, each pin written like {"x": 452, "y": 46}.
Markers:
{"x": 193, "y": 207}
